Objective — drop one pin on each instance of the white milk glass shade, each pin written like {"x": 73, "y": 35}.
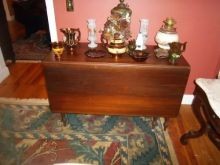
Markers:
{"x": 163, "y": 39}
{"x": 92, "y": 33}
{"x": 144, "y": 31}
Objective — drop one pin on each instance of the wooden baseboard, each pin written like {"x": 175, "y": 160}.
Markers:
{"x": 187, "y": 99}
{"x": 4, "y": 72}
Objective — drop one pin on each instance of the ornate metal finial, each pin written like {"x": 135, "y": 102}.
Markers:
{"x": 121, "y": 4}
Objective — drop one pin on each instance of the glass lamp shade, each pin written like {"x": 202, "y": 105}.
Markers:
{"x": 92, "y": 33}
{"x": 163, "y": 39}
{"x": 144, "y": 32}
{"x": 144, "y": 26}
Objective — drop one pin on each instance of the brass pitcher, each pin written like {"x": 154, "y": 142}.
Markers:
{"x": 72, "y": 37}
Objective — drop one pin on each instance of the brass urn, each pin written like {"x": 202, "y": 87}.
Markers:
{"x": 117, "y": 29}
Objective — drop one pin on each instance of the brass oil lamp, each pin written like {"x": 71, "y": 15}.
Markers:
{"x": 167, "y": 34}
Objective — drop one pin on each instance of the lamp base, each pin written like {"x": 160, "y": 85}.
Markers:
{"x": 161, "y": 53}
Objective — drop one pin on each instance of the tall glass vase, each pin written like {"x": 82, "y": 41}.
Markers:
{"x": 144, "y": 30}
{"x": 92, "y": 33}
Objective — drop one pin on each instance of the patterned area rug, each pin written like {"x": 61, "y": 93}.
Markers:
{"x": 32, "y": 48}
{"x": 31, "y": 134}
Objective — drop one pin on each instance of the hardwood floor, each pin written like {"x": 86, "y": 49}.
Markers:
{"x": 26, "y": 80}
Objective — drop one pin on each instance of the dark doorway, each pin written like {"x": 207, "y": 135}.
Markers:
{"x": 32, "y": 14}
{"x": 5, "y": 39}
{"x": 33, "y": 43}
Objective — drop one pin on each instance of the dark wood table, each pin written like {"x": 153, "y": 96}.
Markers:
{"x": 115, "y": 86}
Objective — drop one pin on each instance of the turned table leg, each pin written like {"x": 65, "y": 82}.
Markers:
{"x": 165, "y": 124}
{"x": 196, "y": 106}
{"x": 214, "y": 137}
{"x": 154, "y": 122}
{"x": 63, "y": 119}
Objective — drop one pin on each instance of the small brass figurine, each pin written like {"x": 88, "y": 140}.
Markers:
{"x": 131, "y": 45}
{"x": 57, "y": 48}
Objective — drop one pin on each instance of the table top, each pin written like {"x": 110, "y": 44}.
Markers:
{"x": 79, "y": 56}
{"x": 115, "y": 86}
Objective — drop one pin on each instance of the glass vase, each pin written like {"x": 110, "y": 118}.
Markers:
{"x": 92, "y": 33}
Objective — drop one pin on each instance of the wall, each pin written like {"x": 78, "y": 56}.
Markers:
{"x": 4, "y": 72}
{"x": 198, "y": 23}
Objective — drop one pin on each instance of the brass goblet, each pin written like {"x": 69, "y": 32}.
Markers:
{"x": 58, "y": 48}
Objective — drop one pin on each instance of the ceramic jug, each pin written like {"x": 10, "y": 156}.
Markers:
{"x": 177, "y": 48}
{"x": 71, "y": 37}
